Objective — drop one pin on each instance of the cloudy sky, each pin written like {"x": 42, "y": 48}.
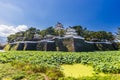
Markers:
{"x": 18, "y": 15}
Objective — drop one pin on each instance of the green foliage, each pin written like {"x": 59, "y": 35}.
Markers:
{"x": 24, "y": 35}
{"x": 50, "y": 30}
{"x": 7, "y": 72}
{"x": 14, "y": 47}
{"x": 54, "y": 73}
{"x": 107, "y": 62}
{"x": 80, "y": 30}
{"x": 89, "y": 35}
{"x": 7, "y": 47}
{"x": 99, "y": 35}
{"x": 23, "y": 70}
{"x": 92, "y": 78}
{"x": 59, "y": 32}
{"x": 102, "y": 35}
{"x": 43, "y": 33}
{"x": 28, "y": 35}
{"x": 48, "y": 63}
{"x": 118, "y": 33}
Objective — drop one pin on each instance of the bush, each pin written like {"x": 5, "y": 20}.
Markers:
{"x": 7, "y": 47}
{"x": 54, "y": 73}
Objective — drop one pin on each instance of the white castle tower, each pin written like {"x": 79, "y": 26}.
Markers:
{"x": 37, "y": 36}
{"x": 70, "y": 32}
{"x": 59, "y": 26}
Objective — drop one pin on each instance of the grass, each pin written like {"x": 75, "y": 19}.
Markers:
{"x": 79, "y": 70}
{"x": 7, "y": 72}
{"x": 7, "y": 47}
{"x": 38, "y": 65}
{"x": 24, "y": 71}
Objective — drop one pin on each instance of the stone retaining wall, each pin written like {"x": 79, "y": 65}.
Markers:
{"x": 64, "y": 44}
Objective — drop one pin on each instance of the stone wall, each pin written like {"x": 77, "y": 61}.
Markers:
{"x": 65, "y": 44}
{"x": 20, "y": 46}
{"x": 60, "y": 46}
{"x": 68, "y": 44}
{"x": 116, "y": 45}
{"x": 104, "y": 46}
{"x": 81, "y": 45}
{"x": 46, "y": 46}
{"x": 41, "y": 46}
{"x": 77, "y": 45}
{"x": 30, "y": 46}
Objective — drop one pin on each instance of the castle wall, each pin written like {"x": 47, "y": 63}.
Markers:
{"x": 30, "y": 46}
{"x": 65, "y": 44}
{"x": 20, "y": 46}
{"x": 116, "y": 45}
{"x": 81, "y": 45}
{"x": 104, "y": 46}
{"x": 68, "y": 44}
{"x": 77, "y": 45}
{"x": 46, "y": 46}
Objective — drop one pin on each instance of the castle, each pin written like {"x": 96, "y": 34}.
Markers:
{"x": 69, "y": 42}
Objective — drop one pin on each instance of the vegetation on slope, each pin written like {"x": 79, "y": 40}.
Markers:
{"x": 28, "y": 35}
{"x": 7, "y": 47}
{"x": 33, "y": 65}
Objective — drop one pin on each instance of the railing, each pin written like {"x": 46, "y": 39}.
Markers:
{"x": 98, "y": 42}
{"x": 31, "y": 41}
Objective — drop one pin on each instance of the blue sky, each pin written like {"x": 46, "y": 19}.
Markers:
{"x": 92, "y": 14}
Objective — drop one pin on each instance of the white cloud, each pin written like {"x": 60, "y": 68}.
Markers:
{"x": 7, "y": 30}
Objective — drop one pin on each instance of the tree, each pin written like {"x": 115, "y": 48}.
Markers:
{"x": 102, "y": 35}
{"x": 80, "y": 30}
{"x": 88, "y": 35}
{"x": 118, "y": 33}
{"x": 43, "y": 33}
{"x": 50, "y": 30}
{"x": 59, "y": 32}
{"x": 29, "y": 34}
{"x": 23, "y": 36}
{"x": 11, "y": 38}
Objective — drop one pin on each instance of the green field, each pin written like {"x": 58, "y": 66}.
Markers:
{"x": 36, "y": 65}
